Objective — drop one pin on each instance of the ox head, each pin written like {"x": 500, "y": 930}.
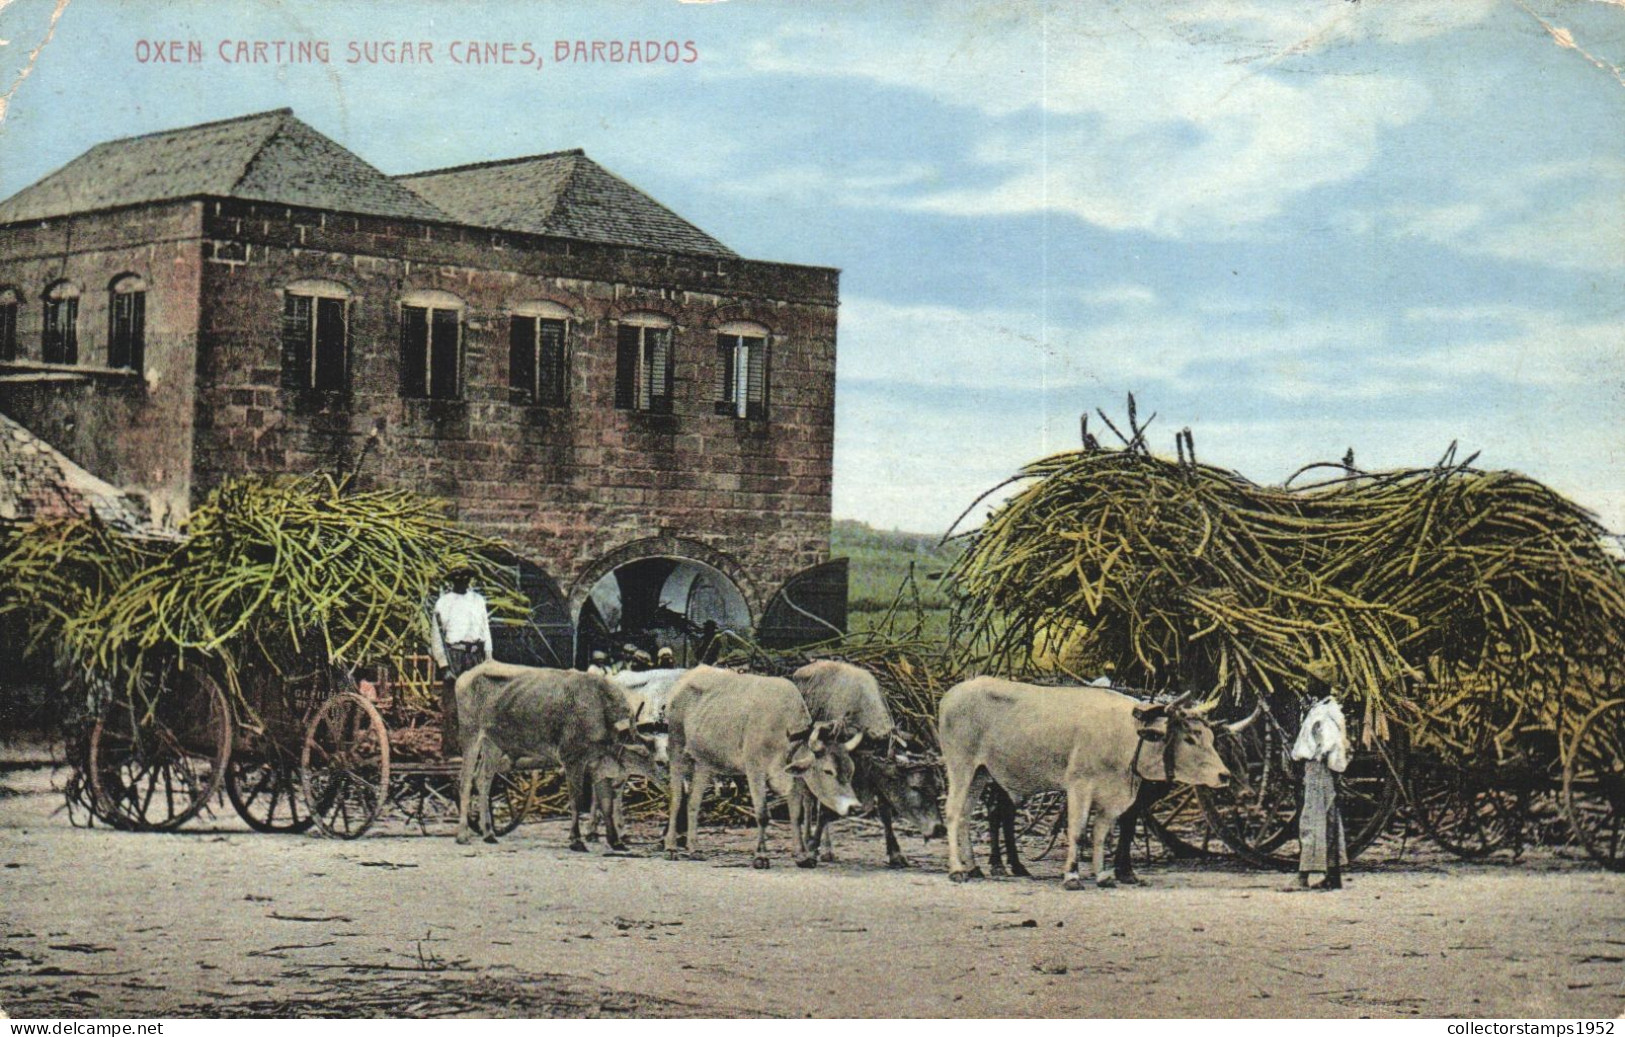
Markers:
{"x": 653, "y": 734}
{"x": 1177, "y": 744}
{"x": 822, "y": 761}
{"x": 644, "y": 740}
{"x": 906, "y": 779}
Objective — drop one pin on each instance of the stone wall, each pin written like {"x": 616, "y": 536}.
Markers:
{"x": 132, "y": 429}
{"x": 566, "y": 485}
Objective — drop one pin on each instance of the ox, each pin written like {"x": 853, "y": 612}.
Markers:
{"x": 885, "y": 774}
{"x": 1001, "y": 819}
{"x": 646, "y": 692}
{"x": 514, "y": 713}
{"x": 735, "y": 723}
{"x": 1093, "y": 743}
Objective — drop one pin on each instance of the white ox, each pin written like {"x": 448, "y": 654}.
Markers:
{"x": 1092, "y": 743}
{"x": 739, "y": 723}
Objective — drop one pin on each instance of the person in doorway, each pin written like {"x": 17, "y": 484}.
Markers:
{"x": 460, "y": 639}
{"x": 1323, "y": 746}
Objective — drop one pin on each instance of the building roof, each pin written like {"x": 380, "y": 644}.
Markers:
{"x": 274, "y": 157}
{"x": 269, "y": 156}
{"x": 37, "y": 482}
{"x": 563, "y": 194}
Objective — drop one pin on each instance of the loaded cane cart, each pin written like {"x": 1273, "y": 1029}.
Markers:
{"x": 305, "y": 747}
{"x": 226, "y": 662}
{"x": 1470, "y": 622}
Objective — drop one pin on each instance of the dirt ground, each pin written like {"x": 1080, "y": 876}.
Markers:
{"x": 220, "y": 921}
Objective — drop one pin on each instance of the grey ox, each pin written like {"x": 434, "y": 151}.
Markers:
{"x": 738, "y": 723}
{"x": 886, "y": 774}
{"x": 512, "y": 714}
{"x": 1094, "y": 744}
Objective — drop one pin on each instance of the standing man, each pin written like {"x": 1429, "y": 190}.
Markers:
{"x": 460, "y": 639}
{"x": 1323, "y": 746}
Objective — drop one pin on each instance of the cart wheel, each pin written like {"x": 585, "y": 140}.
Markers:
{"x": 265, "y": 791}
{"x": 1180, "y": 824}
{"x": 1255, "y": 822}
{"x": 1461, "y": 812}
{"x": 344, "y": 768}
{"x": 153, "y": 770}
{"x": 1040, "y": 825}
{"x": 508, "y": 802}
{"x": 1594, "y": 784}
{"x": 1261, "y": 825}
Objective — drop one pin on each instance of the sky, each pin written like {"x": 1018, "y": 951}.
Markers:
{"x": 1295, "y": 227}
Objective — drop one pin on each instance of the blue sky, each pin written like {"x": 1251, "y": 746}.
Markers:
{"x": 1295, "y": 227}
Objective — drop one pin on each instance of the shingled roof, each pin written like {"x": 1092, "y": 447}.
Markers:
{"x": 269, "y": 156}
{"x": 38, "y": 482}
{"x": 564, "y": 194}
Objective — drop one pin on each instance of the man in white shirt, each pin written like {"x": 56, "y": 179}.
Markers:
{"x": 460, "y": 639}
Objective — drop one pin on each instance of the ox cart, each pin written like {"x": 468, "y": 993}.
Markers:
{"x": 1564, "y": 783}
{"x": 303, "y": 745}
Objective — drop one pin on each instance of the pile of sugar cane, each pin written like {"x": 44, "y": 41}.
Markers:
{"x": 268, "y": 571}
{"x": 1465, "y": 605}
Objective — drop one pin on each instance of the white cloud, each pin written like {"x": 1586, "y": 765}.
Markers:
{"x": 1567, "y": 214}
{"x": 956, "y": 398}
{"x": 938, "y": 346}
{"x": 1113, "y": 295}
{"x": 1172, "y": 123}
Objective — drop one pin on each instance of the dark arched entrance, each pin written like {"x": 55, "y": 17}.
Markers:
{"x": 664, "y": 601}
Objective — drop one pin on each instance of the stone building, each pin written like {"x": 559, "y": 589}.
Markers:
{"x": 643, "y": 415}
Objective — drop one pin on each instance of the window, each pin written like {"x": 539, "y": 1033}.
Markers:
{"x": 536, "y": 359}
{"x": 643, "y": 365}
{"x": 432, "y": 346}
{"x": 10, "y": 301}
{"x": 59, "y": 344}
{"x": 127, "y": 323}
{"x": 316, "y": 336}
{"x": 741, "y": 390}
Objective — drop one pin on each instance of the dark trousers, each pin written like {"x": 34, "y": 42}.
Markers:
{"x": 460, "y": 658}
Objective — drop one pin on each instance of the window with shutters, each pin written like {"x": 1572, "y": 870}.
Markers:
{"x": 643, "y": 364}
{"x": 537, "y": 369}
{"x": 432, "y": 346}
{"x": 741, "y": 388}
{"x": 127, "y": 323}
{"x": 10, "y": 302}
{"x": 59, "y": 341}
{"x": 316, "y": 336}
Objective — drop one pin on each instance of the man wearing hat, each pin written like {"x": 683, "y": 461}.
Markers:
{"x": 460, "y": 639}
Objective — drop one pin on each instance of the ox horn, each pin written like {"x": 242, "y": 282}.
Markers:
{"x": 852, "y": 745}
{"x": 1241, "y": 725}
{"x": 1204, "y": 709}
{"x": 1178, "y": 700}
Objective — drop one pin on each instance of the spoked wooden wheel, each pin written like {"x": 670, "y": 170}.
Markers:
{"x": 154, "y": 763}
{"x": 1040, "y": 825}
{"x": 1261, "y": 824}
{"x": 1256, "y": 821}
{"x": 510, "y": 800}
{"x": 265, "y": 791}
{"x": 1462, "y": 812}
{"x": 344, "y": 768}
{"x": 1180, "y": 824}
{"x": 1594, "y": 784}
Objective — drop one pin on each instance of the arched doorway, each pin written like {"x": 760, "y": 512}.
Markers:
{"x": 659, "y": 601}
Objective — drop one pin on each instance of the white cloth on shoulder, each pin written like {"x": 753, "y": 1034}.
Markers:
{"x": 1324, "y": 736}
